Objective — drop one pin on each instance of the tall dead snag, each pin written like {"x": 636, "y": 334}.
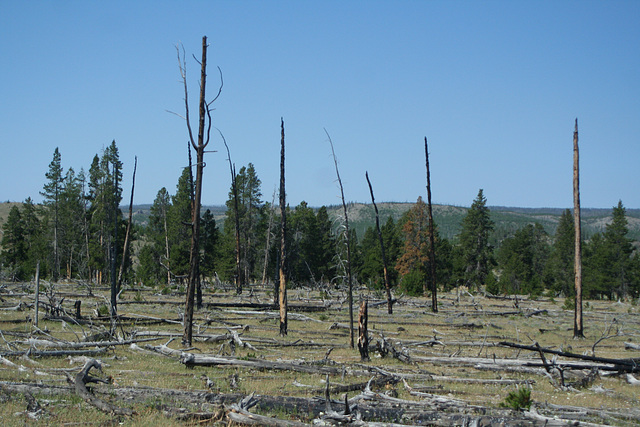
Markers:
{"x": 346, "y": 237}
{"x": 385, "y": 271}
{"x": 363, "y": 331}
{"x": 282, "y": 294}
{"x": 114, "y": 248}
{"x": 432, "y": 245}
{"x": 577, "y": 265}
{"x": 203, "y": 141}
{"x": 234, "y": 190}
{"x": 128, "y": 233}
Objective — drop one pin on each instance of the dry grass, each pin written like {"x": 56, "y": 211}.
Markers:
{"x": 468, "y": 327}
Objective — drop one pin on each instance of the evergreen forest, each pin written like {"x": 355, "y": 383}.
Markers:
{"x": 78, "y": 233}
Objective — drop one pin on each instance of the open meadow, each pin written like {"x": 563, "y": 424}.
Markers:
{"x": 479, "y": 360}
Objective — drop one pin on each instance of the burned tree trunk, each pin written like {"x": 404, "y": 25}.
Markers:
{"x": 385, "y": 271}
{"x": 128, "y": 233}
{"x": 363, "y": 331}
{"x": 577, "y": 320}
{"x": 204, "y": 114}
{"x": 432, "y": 246}
{"x": 282, "y": 294}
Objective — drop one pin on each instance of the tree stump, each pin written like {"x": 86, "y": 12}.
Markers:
{"x": 363, "y": 332}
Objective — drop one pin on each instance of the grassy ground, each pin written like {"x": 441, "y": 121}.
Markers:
{"x": 465, "y": 326}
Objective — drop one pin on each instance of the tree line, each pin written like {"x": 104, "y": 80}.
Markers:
{"x": 71, "y": 234}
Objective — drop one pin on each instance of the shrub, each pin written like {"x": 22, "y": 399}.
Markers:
{"x": 518, "y": 399}
{"x": 413, "y": 282}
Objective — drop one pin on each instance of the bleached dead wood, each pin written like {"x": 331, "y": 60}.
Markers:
{"x": 55, "y": 353}
{"x": 274, "y": 315}
{"x": 632, "y": 380}
{"x": 375, "y": 407}
{"x": 239, "y": 413}
{"x": 631, "y": 346}
{"x": 623, "y": 365}
{"x": 76, "y": 345}
{"x": 81, "y": 380}
{"x": 202, "y": 337}
{"x": 190, "y": 359}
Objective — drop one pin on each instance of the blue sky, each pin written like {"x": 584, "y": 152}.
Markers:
{"x": 495, "y": 86}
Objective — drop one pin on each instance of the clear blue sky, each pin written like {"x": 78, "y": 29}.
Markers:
{"x": 495, "y": 86}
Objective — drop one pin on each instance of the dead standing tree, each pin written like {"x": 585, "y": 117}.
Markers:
{"x": 128, "y": 233}
{"x": 432, "y": 245}
{"x": 202, "y": 142}
{"x": 385, "y": 271}
{"x": 282, "y": 294}
{"x": 346, "y": 235}
{"x": 234, "y": 189}
{"x": 577, "y": 320}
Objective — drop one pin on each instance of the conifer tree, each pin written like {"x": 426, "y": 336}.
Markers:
{"x": 559, "y": 272}
{"x": 14, "y": 248}
{"x": 522, "y": 259}
{"x": 209, "y": 241}
{"x": 51, "y": 194}
{"x": 414, "y": 261}
{"x": 477, "y": 254}
{"x": 179, "y": 226}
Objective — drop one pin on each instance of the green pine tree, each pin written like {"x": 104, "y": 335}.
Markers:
{"x": 559, "y": 275}
{"x": 51, "y": 194}
{"x": 477, "y": 253}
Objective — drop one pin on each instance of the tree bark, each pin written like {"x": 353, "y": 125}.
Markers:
{"x": 385, "y": 271}
{"x": 578, "y": 331}
{"x": 432, "y": 245}
{"x": 363, "y": 331}
{"x": 195, "y": 216}
{"x": 282, "y": 297}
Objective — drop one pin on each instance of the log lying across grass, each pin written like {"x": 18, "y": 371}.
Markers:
{"x": 190, "y": 359}
{"x": 605, "y": 363}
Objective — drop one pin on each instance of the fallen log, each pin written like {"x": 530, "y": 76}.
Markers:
{"x": 239, "y": 413}
{"x": 631, "y": 346}
{"x": 623, "y": 365}
{"x": 54, "y": 353}
{"x": 77, "y": 345}
{"x": 190, "y": 359}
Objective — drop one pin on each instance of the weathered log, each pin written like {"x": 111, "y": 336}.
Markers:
{"x": 632, "y": 380}
{"x": 81, "y": 380}
{"x": 384, "y": 347}
{"x": 631, "y": 346}
{"x": 625, "y": 365}
{"x": 55, "y": 353}
{"x": 76, "y": 345}
{"x": 239, "y": 413}
{"x": 190, "y": 359}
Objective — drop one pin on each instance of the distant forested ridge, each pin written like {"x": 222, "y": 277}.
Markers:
{"x": 448, "y": 218}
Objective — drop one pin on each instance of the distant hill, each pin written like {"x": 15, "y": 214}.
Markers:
{"x": 447, "y": 218}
